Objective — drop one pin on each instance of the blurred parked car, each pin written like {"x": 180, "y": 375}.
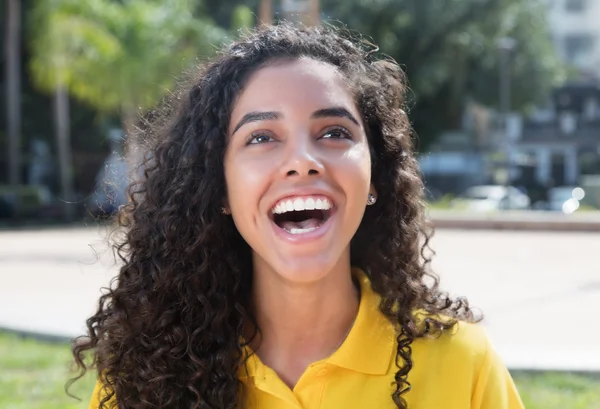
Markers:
{"x": 490, "y": 198}
{"x": 563, "y": 199}
{"x": 27, "y": 202}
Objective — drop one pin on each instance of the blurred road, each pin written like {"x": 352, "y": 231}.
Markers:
{"x": 540, "y": 292}
{"x": 588, "y": 221}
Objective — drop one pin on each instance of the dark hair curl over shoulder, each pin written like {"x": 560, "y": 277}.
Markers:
{"x": 167, "y": 333}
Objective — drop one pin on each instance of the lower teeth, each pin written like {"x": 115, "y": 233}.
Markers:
{"x": 301, "y": 231}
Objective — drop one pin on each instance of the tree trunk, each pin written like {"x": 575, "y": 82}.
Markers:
{"x": 61, "y": 123}
{"x": 458, "y": 82}
{"x": 265, "y": 14}
{"x": 13, "y": 89}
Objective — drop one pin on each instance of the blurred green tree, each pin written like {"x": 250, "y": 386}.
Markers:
{"x": 229, "y": 14}
{"x": 61, "y": 37}
{"x": 242, "y": 18}
{"x": 449, "y": 50}
{"x": 12, "y": 82}
{"x": 119, "y": 56}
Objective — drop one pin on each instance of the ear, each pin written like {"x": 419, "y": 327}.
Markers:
{"x": 372, "y": 190}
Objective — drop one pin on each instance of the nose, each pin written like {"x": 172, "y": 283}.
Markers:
{"x": 302, "y": 160}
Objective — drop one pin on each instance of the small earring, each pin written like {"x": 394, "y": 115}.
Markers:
{"x": 371, "y": 199}
{"x": 223, "y": 210}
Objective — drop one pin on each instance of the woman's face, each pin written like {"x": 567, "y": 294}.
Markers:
{"x": 297, "y": 168}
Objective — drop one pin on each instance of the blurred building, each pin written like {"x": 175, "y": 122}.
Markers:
{"x": 575, "y": 30}
{"x": 558, "y": 145}
{"x": 563, "y": 137}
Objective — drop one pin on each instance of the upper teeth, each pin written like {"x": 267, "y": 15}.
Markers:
{"x": 299, "y": 203}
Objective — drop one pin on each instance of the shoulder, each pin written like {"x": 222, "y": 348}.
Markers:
{"x": 466, "y": 336}
{"x": 463, "y": 364}
{"x": 464, "y": 346}
{"x": 450, "y": 362}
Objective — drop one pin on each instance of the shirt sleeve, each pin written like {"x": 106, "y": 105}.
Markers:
{"x": 495, "y": 388}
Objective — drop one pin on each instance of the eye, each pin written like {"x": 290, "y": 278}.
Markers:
{"x": 338, "y": 132}
{"x": 259, "y": 138}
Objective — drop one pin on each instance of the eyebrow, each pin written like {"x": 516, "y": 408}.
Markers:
{"x": 255, "y": 116}
{"x": 337, "y": 112}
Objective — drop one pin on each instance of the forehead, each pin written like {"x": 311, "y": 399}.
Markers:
{"x": 297, "y": 84}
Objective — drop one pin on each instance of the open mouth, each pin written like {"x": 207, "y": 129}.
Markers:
{"x": 301, "y": 216}
{"x": 302, "y": 221}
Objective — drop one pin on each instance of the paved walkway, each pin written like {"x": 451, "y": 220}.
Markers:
{"x": 540, "y": 292}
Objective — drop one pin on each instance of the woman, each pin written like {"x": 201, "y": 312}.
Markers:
{"x": 275, "y": 250}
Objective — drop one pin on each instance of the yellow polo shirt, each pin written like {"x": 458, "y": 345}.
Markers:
{"x": 454, "y": 371}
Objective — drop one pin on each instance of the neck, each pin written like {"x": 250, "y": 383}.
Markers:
{"x": 302, "y": 323}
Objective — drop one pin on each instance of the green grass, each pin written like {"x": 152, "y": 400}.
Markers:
{"x": 555, "y": 390}
{"x": 33, "y": 375}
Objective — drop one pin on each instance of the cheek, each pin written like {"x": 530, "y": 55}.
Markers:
{"x": 357, "y": 167}
{"x": 245, "y": 184}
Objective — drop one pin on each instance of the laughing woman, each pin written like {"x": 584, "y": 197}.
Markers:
{"x": 275, "y": 250}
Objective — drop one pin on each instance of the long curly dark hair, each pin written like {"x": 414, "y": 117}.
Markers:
{"x": 167, "y": 333}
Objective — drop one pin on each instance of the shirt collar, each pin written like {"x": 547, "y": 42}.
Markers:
{"x": 370, "y": 344}
{"x": 368, "y": 348}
